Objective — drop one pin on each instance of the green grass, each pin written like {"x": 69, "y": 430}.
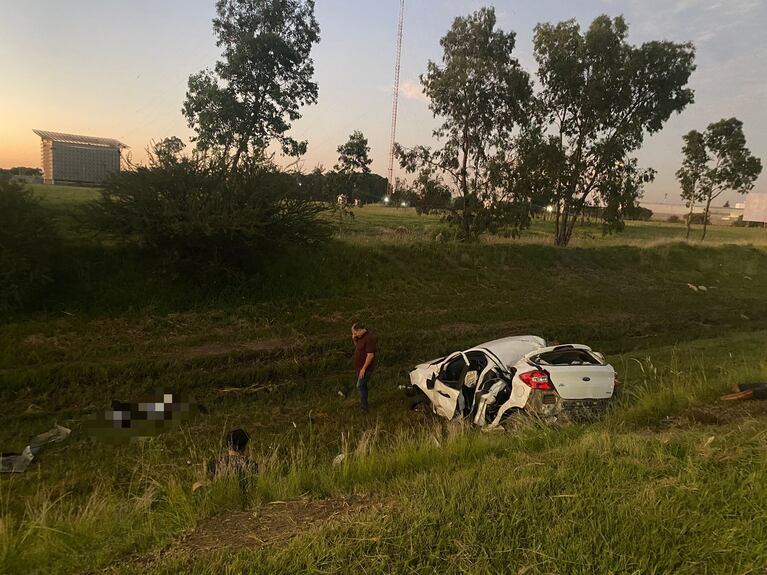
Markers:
{"x": 65, "y": 204}
{"x": 644, "y": 491}
{"x": 64, "y": 196}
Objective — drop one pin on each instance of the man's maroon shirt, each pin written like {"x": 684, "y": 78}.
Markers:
{"x": 365, "y": 345}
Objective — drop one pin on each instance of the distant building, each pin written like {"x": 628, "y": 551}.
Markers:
{"x": 717, "y": 216}
{"x": 68, "y": 158}
{"x": 755, "y": 208}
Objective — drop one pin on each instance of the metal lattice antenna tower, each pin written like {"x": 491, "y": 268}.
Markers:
{"x": 395, "y": 99}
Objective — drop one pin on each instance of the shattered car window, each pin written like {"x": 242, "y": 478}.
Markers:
{"x": 451, "y": 373}
{"x": 566, "y": 357}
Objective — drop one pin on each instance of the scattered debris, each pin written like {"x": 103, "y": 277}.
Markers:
{"x": 339, "y": 459}
{"x": 744, "y": 316}
{"x": 253, "y": 388}
{"x": 692, "y": 287}
{"x": 18, "y": 462}
{"x": 55, "y": 435}
{"x": 747, "y": 391}
{"x": 702, "y": 288}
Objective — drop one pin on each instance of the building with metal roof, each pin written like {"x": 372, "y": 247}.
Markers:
{"x": 69, "y": 158}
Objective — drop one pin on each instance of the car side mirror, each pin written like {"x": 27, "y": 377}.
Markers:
{"x": 430, "y": 382}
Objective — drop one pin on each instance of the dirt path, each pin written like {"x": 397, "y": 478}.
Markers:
{"x": 275, "y": 523}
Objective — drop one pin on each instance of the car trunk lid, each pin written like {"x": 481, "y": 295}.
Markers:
{"x": 582, "y": 381}
{"x": 576, "y": 371}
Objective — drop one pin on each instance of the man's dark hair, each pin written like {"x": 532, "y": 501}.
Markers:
{"x": 359, "y": 326}
{"x": 237, "y": 440}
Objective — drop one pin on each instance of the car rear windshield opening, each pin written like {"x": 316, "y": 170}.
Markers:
{"x": 566, "y": 357}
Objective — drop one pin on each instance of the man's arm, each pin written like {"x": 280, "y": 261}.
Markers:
{"x": 368, "y": 360}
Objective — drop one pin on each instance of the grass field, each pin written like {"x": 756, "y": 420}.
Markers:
{"x": 672, "y": 481}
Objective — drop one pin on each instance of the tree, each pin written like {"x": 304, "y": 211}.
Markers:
{"x": 621, "y": 193}
{"x": 353, "y": 155}
{"x": 428, "y": 193}
{"x": 257, "y": 88}
{"x": 719, "y": 161}
{"x": 480, "y": 92}
{"x": 599, "y": 96}
{"x": 691, "y": 175}
{"x": 167, "y": 151}
{"x": 353, "y": 167}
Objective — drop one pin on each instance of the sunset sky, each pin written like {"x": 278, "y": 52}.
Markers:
{"x": 119, "y": 69}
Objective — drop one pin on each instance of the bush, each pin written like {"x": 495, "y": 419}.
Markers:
{"x": 639, "y": 214}
{"x": 192, "y": 211}
{"x": 26, "y": 243}
{"x": 697, "y": 219}
{"x": 674, "y": 219}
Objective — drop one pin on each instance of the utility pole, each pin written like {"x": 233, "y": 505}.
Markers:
{"x": 395, "y": 101}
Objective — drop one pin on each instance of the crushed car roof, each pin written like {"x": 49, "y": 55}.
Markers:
{"x": 511, "y": 349}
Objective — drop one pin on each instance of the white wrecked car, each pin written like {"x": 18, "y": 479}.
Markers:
{"x": 488, "y": 383}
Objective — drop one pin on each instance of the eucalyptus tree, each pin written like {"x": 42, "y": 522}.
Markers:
{"x": 480, "y": 93}
{"x": 354, "y": 155}
{"x": 599, "y": 96}
{"x": 717, "y": 161}
{"x": 258, "y": 86}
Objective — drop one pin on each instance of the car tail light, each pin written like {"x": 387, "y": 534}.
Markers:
{"x": 536, "y": 379}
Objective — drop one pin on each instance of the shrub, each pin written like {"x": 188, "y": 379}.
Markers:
{"x": 191, "y": 210}
{"x": 638, "y": 213}
{"x": 674, "y": 219}
{"x": 697, "y": 219}
{"x": 26, "y": 243}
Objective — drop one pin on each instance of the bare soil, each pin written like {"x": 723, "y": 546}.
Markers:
{"x": 274, "y": 523}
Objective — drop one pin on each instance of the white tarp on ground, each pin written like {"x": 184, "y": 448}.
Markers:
{"x": 756, "y": 208}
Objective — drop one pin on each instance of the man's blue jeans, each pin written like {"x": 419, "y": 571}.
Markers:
{"x": 362, "y": 386}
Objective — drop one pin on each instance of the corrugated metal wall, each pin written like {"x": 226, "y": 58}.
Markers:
{"x": 79, "y": 163}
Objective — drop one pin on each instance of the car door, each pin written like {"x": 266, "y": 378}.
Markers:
{"x": 447, "y": 385}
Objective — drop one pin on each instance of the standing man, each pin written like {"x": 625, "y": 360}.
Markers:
{"x": 365, "y": 349}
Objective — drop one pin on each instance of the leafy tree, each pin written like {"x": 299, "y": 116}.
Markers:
{"x": 621, "y": 192}
{"x": 353, "y": 155}
{"x": 257, "y": 88}
{"x": 714, "y": 162}
{"x": 599, "y": 96}
{"x": 352, "y": 172}
{"x": 167, "y": 151}
{"x": 480, "y": 92}
{"x": 691, "y": 175}
{"x": 428, "y": 193}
